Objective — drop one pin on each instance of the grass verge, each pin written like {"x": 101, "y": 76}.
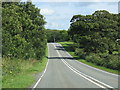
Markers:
{"x": 20, "y": 73}
{"x": 66, "y": 45}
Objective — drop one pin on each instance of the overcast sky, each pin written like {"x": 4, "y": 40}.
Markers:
{"x": 58, "y": 13}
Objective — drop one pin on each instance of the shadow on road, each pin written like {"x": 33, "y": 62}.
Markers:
{"x": 69, "y": 58}
{"x": 60, "y": 48}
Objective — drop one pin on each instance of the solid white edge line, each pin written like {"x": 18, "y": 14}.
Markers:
{"x": 75, "y": 70}
{"x": 42, "y": 74}
{"x": 88, "y": 76}
{"x": 91, "y": 66}
{"x": 82, "y": 75}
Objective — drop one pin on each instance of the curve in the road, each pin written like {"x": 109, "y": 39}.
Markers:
{"x": 71, "y": 67}
{"x": 89, "y": 78}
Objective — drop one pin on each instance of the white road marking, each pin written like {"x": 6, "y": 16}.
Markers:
{"x": 91, "y": 66}
{"x": 89, "y": 78}
{"x": 41, "y": 75}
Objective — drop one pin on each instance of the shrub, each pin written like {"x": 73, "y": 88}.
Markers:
{"x": 103, "y": 59}
{"x": 94, "y": 58}
{"x": 80, "y": 52}
{"x": 114, "y": 62}
{"x": 88, "y": 58}
{"x": 104, "y": 56}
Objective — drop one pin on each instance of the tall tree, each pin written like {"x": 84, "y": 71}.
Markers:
{"x": 96, "y": 33}
{"x": 23, "y": 30}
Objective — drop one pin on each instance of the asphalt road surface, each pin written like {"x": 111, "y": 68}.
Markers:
{"x": 62, "y": 71}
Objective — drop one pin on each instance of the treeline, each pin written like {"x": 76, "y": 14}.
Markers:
{"x": 96, "y": 38}
{"x": 57, "y": 35}
{"x": 23, "y": 31}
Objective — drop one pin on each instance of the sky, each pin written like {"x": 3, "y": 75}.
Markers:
{"x": 58, "y": 14}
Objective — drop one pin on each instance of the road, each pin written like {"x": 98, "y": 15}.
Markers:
{"x": 62, "y": 71}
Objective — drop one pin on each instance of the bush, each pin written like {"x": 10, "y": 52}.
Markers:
{"x": 94, "y": 58}
{"x": 72, "y": 47}
{"x": 110, "y": 60}
{"x": 114, "y": 62}
{"x": 104, "y": 56}
{"x": 88, "y": 58}
{"x": 80, "y": 52}
{"x": 103, "y": 59}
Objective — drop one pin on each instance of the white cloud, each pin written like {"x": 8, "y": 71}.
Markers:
{"x": 46, "y": 11}
{"x": 58, "y": 15}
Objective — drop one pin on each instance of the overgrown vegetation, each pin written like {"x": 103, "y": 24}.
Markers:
{"x": 69, "y": 48}
{"x": 57, "y": 35}
{"x": 23, "y": 45}
{"x": 19, "y": 73}
{"x": 24, "y": 40}
{"x": 23, "y": 31}
{"x": 95, "y": 38}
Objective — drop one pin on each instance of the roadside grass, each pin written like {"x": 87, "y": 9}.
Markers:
{"x": 23, "y": 75}
{"x": 67, "y": 47}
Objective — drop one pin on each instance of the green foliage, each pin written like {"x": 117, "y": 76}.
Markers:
{"x": 18, "y": 73}
{"x": 95, "y": 58}
{"x": 14, "y": 66}
{"x": 113, "y": 62}
{"x": 88, "y": 58}
{"x": 23, "y": 31}
{"x": 109, "y": 61}
{"x": 57, "y": 35}
{"x": 24, "y": 42}
{"x": 80, "y": 53}
{"x": 95, "y": 36}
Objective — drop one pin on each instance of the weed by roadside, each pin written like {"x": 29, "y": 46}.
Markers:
{"x": 18, "y": 73}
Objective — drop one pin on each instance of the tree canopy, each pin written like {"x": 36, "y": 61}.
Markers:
{"x": 57, "y": 35}
{"x": 96, "y": 33}
{"x": 23, "y": 30}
